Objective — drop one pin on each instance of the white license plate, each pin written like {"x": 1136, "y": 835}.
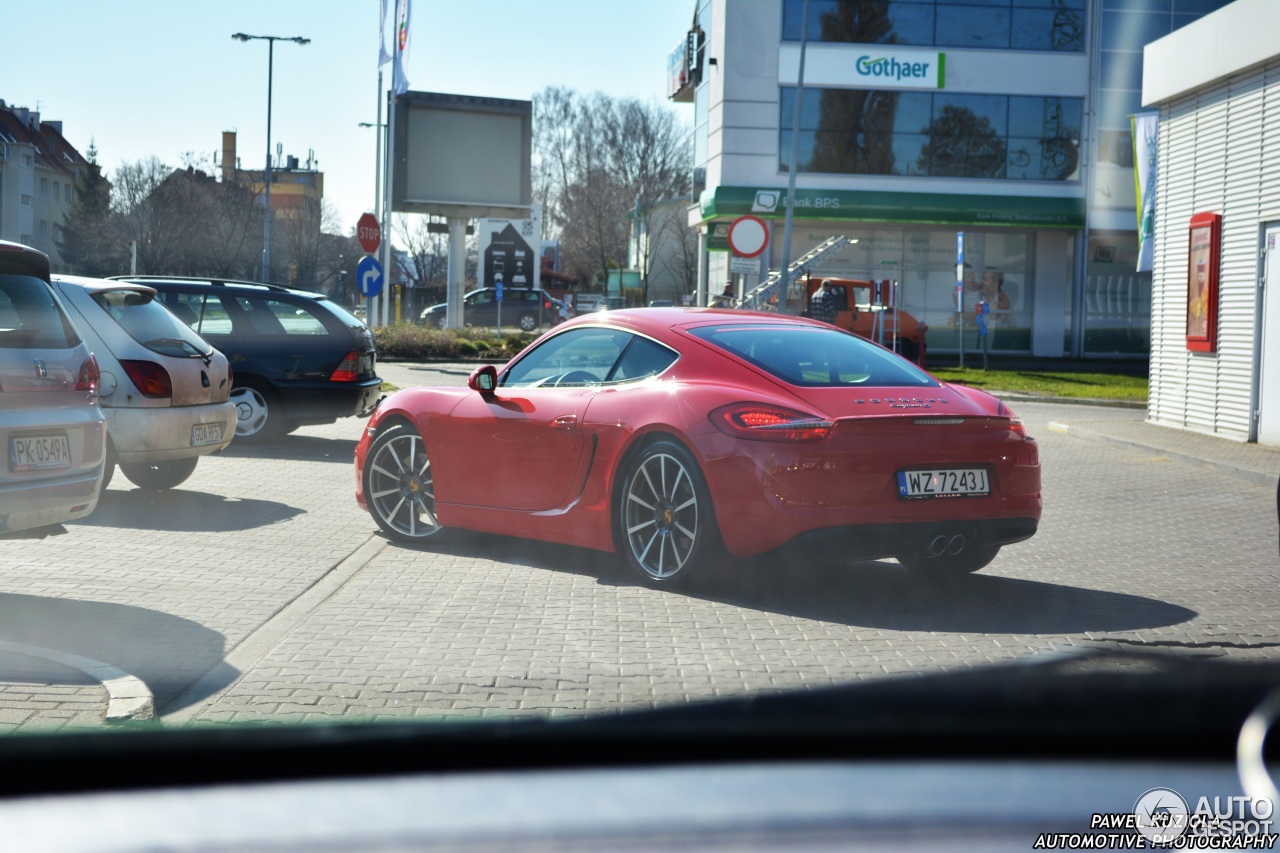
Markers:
{"x": 39, "y": 453}
{"x": 203, "y": 434}
{"x": 943, "y": 482}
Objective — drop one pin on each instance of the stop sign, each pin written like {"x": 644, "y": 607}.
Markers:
{"x": 369, "y": 233}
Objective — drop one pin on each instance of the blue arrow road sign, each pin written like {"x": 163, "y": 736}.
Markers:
{"x": 369, "y": 275}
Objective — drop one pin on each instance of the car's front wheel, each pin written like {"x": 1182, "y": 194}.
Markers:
{"x": 399, "y": 488}
{"x": 157, "y": 476}
{"x": 665, "y": 521}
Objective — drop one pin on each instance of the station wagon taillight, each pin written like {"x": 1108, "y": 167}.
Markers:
{"x": 348, "y": 369}
{"x": 152, "y": 379}
{"x": 89, "y": 376}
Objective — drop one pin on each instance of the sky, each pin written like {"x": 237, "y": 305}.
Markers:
{"x": 142, "y": 78}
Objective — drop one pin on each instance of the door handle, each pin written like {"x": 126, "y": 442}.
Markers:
{"x": 565, "y": 422}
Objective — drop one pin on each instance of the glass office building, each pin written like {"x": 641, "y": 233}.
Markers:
{"x": 1005, "y": 120}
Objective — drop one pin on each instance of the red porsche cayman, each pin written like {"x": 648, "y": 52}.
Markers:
{"x": 669, "y": 434}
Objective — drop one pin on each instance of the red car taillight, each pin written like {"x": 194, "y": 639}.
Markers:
{"x": 762, "y": 422}
{"x": 348, "y": 369}
{"x": 89, "y": 376}
{"x": 152, "y": 379}
{"x": 1016, "y": 426}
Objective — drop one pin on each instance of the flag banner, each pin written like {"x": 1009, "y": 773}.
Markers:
{"x": 1145, "y": 127}
{"x": 402, "y": 46}
{"x": 383, "y": 56}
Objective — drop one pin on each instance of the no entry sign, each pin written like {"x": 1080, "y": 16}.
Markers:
{"x": 748, "y": 236}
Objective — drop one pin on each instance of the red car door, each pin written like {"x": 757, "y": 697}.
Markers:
{"x": 518, "y": 449}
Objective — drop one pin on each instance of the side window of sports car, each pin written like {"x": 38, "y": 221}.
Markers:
{"x": 643, "y": 358}
{"x": 578, "y": 357}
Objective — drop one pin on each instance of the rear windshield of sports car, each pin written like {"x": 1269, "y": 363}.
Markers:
{"x": 814, "y": 357}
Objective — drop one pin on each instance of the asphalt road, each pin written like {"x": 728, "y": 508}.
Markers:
{"x": 259, "y": 591}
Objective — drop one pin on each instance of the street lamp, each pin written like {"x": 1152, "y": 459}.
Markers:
{"x": 266, "y": 219}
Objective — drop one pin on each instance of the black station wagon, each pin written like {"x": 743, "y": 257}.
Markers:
{"x": 297, "y": 357}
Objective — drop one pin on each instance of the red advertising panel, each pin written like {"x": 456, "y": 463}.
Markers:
{"x": 1204, "y": 258}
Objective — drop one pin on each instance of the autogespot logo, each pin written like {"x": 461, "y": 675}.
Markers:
{"x": 890, "y": 68}
{"x": 1162, "y": 815}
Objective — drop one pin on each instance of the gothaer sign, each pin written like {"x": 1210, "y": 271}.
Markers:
{"x": 898, "y": 68}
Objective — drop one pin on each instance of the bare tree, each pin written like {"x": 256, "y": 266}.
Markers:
{"x": 428, "y": 250}
{"x": 232, "y": 234}
{"x": 599, "y": 163}
{"x": 679, "y": 262}
{"x": 153, "y": 213}
{"x": 302, "y": 228}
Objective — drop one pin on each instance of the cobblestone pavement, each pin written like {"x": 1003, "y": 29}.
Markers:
{"x": 259, "y": 591}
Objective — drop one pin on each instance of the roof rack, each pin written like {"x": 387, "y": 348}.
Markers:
{"x": 802, "y": 264}
{"x": 216, "y": 282}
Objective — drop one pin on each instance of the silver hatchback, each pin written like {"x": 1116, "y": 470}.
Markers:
{"x": 165, "y": 390}
{"x": 52, "y": 432}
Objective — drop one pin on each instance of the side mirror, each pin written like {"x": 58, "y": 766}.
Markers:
{"x": 483, "y": 379}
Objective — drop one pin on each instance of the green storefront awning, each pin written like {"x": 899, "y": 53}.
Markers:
{"x": 878, "y": 206}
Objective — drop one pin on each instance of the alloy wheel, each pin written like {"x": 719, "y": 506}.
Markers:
{"x": 661, "y": 515}
{"x": 399, "y": 487}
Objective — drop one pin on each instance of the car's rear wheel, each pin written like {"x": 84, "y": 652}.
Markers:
{"x": 157, "y": 476}
{"x": 528, "y": 322}
{"x": 398, "y": 485}
{"x": 666, "y": 524}
{"x": 259, "y": 414}
{"x": 967, "y": 559}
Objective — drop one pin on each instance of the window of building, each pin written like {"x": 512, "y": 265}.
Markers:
{"x": 66, "y": 193}
{"x": 1117, "y": 300}
{"x": 28, "y": 161}
{"x": 1000, "y": 269}
{"x": 983, "y": 24}
{"x": 846, "y": 131}
{"x": 44, "y": 188}
{"x": 26, "y": 200}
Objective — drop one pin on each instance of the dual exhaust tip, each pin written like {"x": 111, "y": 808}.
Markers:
{"x": 950, "y": 545}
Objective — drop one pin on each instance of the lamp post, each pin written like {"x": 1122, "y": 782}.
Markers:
{"x": 266, "y": 219}
{"x": 377, "y": 177}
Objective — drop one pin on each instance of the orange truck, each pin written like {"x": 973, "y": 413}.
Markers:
{"x": 866, "y": 309}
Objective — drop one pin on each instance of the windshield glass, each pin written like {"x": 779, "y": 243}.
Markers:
{"x": 149, "y": 323}
{"x": 1026, "y": 425}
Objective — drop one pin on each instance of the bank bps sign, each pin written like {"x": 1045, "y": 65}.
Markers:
{"x": 876, "y": 68}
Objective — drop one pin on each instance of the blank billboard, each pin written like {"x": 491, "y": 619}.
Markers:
{"x": 459, "y": 155}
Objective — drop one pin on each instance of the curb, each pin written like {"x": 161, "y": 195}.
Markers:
{"x": 1259, "y": 477}
{"x": 128, "y": 699}
{"x": 1019, "y": 397}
